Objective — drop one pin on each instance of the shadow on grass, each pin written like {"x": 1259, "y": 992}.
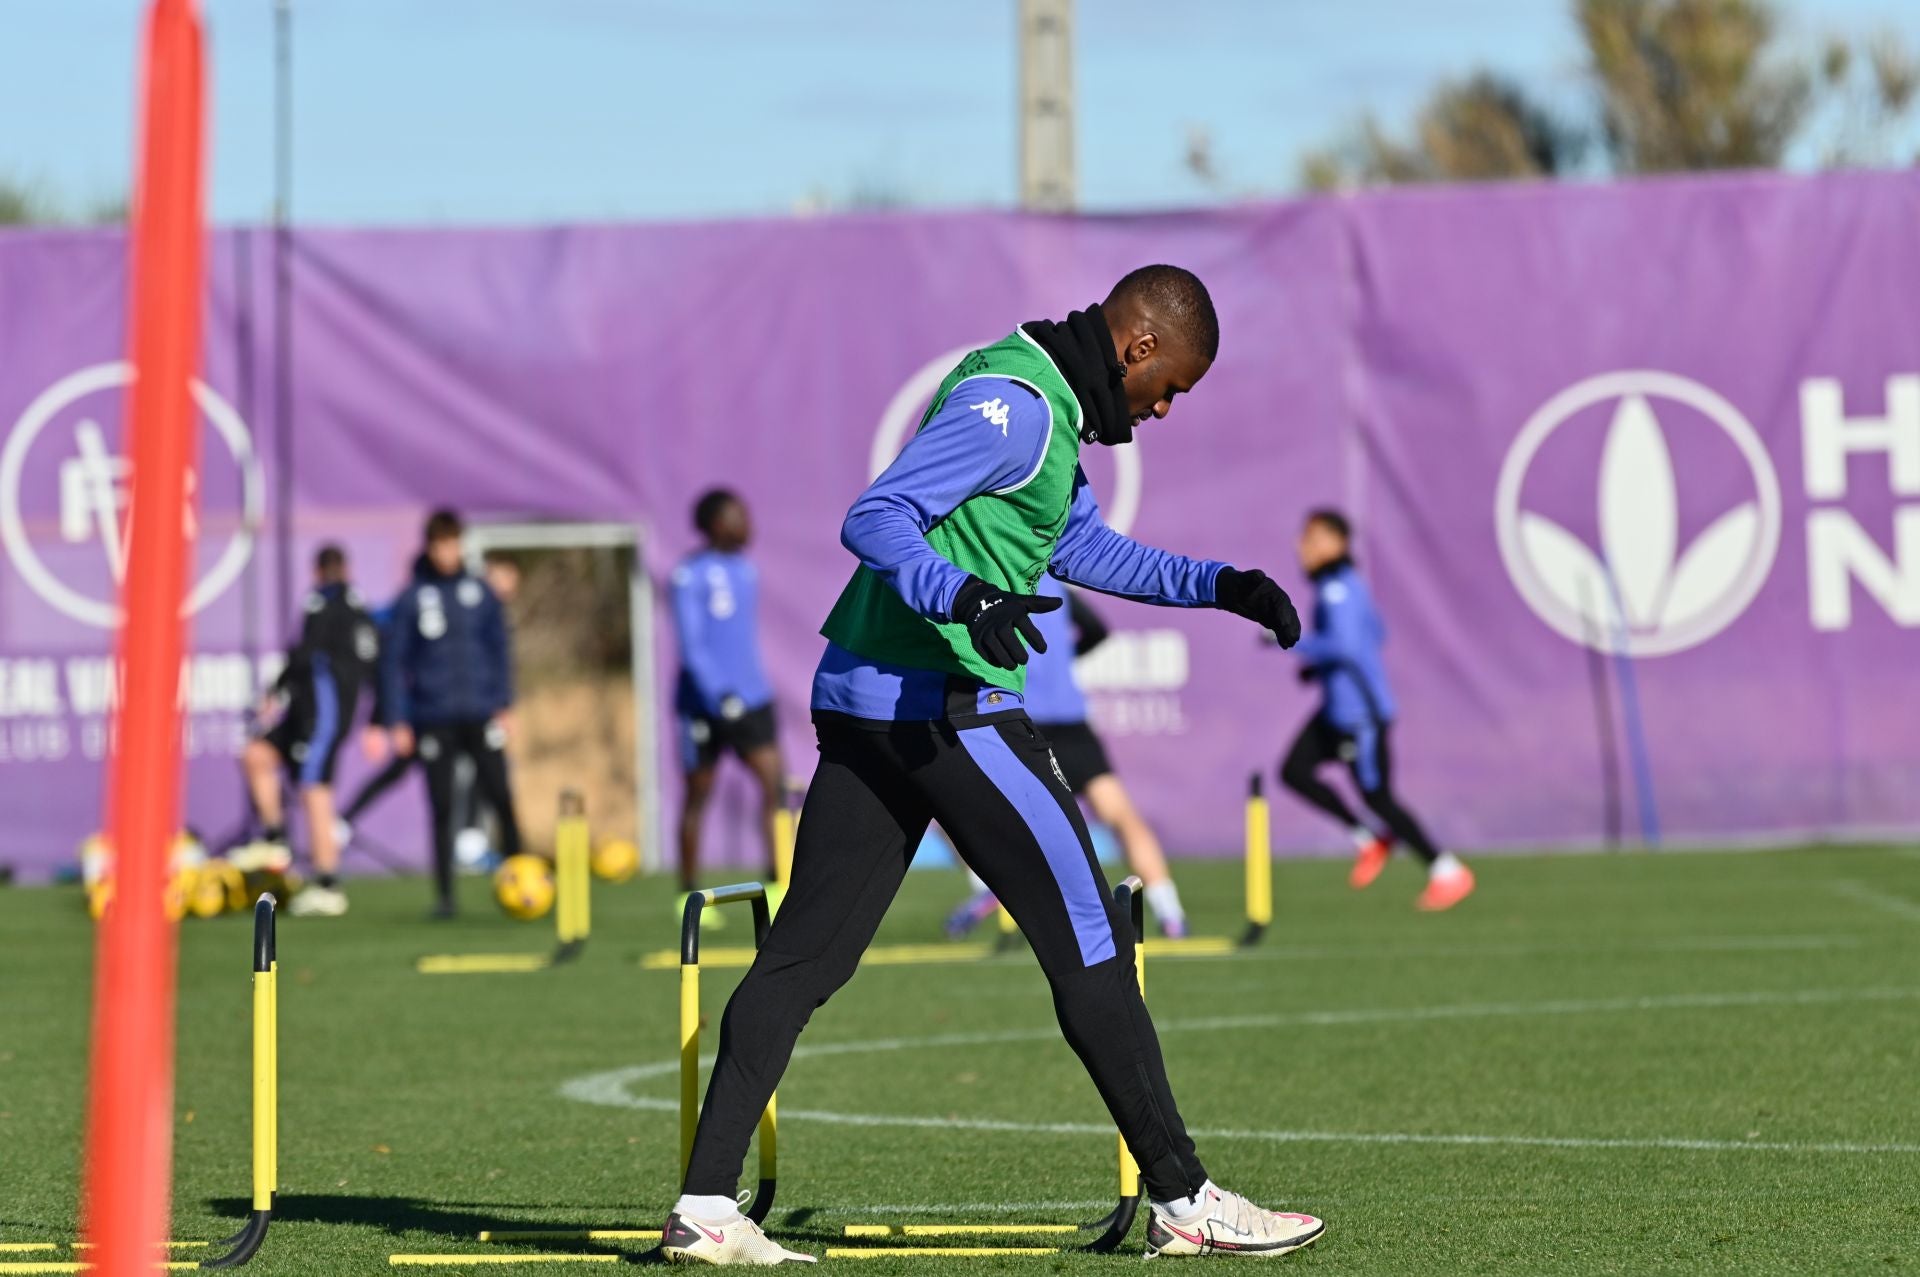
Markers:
{"x": 462, "y": 1222}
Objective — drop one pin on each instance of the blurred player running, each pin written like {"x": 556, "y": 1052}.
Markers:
{"x": 318, "y": 692}
{"x": 918, "y": 705}
{"x": 1355, "y": 720}
{"x": 1058, "y": 708}
{"x": 723, "y": 699}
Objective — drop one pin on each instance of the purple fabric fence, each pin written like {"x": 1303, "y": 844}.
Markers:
{"x": 1664, "y": 434}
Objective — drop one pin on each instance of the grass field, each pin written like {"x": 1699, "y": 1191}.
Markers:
{"x": 1629, "y": 1064}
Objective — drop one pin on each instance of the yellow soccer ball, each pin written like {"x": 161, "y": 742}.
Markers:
{"x": 523, "y": 885}
{"x": 209, "y": 898}
{"x": 616, "y": 860}
{"x": 178, "y": 895}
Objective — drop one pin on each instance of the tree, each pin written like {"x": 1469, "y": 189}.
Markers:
{"x": 1671, "y": 85}
{"x": 1480, "y": 128}
{"x": 1690, "y": 84}
{"x": 22, "y": 204}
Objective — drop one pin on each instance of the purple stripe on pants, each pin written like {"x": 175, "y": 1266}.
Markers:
{"x": 1059, "y": 843}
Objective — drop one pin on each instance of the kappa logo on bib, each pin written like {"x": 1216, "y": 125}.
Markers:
{"x": 1119, "y": 500}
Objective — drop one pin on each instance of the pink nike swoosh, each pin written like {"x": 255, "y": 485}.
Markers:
{"x": 715, "y": 1238}
{"x": 1197, "y": 1239}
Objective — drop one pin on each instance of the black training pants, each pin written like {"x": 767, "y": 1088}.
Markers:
{"x": 994, "y": 788}
{"x": 1367, "y": 755}
{"x": 482, "y": 741}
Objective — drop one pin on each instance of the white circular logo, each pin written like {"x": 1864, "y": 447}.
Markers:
{"x": 909, "y": 404}
{"x": 1640, "y": 591}
{"x": 91, "y": 490}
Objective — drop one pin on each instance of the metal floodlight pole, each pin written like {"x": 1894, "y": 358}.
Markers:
{"x": 1048, "y": 172}
{"x": 283, "y": 307}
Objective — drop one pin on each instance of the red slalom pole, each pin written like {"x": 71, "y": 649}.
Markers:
{"x": 130, "y": 1114}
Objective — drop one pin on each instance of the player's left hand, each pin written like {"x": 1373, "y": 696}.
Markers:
{"x": 1254, "y": 595}
{"x": 997, "y": 620}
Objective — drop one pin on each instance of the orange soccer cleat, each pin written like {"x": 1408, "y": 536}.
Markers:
{"x": 1368, "y": 863}
{"x": 1446, "y": 891}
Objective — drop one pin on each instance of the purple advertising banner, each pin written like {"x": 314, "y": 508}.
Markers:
{"x": 1634, "y": 464}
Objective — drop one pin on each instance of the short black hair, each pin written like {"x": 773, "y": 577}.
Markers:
{"x": 443, "y": 524}
{"x": 330, "y": 561}
{"x": 706, "y": 511}
{"x": 1177, "y": 296}
{"x": 1329, "y": 517}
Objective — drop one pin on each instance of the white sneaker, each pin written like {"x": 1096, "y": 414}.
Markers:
{"x": 1229, "y": 1224}
{"x": 731, "y": 1241}
{"x": 319, "y": 902}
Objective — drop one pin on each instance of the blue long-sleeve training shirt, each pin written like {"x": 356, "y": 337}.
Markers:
{"x": 948, "y": 462}
{"x": 1343, "y": 651}
{"x": 716, "y": 618}
{"x": 1053, "y": 693}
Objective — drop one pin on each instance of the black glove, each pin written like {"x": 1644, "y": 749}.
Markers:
{"x": 997, "y": 620}
{"x": 1255, "y": 596}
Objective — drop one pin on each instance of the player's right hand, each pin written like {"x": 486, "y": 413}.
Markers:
{"x": 403, "y": 741}
{"x": 996, "y": 621}
{"x": 1254, "y": 596}
{"x": 375, "y": 743}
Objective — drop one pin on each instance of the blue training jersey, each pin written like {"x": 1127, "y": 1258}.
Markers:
{"x": 716, "y": 618}
{"x": 957, "y": 456}
{"x": 1053, "y": 693}
{"x": 1343, "y": 651}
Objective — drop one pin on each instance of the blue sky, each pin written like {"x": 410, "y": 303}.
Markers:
{"x": 477, "y": 111}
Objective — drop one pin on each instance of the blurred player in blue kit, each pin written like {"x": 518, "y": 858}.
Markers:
{"x": 1058, "y": 708}
{"x": 1341, "y": 652}
{"x": 722, "y": 697}
{"x": 316, "y": 698}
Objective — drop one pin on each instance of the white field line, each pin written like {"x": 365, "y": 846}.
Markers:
{"x": 1861, "y": 894}
{"x": 1390, "y": 952}
{"x": 612, "y": 1088}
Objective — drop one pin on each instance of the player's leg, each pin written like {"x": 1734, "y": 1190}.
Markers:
{"x": 437, "y": 751}
{"x": 375, "y": 789}
{"x": 323, "y": 898}
{"x": 699, "y": 764}
{"x": 1318, "y": 744}
{"x": 486, "y": 744}
{"x": 262, "y": 761}
{"x": 1448, "y": 880}
{"x": 1017, "y": 824}
{"x": 1113, "y": 807}
{"x": 1013, "y": 820}
{"x": 754, "y": 740}
{"x": 858, "y": 831}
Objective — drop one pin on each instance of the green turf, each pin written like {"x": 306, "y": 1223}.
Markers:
{"x": 1724, "y": 1047}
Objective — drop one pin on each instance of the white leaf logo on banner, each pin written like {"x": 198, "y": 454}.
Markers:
{"x": 1568, "y": 568}
{"x": 1639, "y": 508}
{"x": 1642, "y": 593}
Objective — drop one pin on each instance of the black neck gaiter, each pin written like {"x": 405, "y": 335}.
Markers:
{"x": 1081, "y": 346}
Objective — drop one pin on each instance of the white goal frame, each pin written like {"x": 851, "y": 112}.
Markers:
{"x": 509, "y": 535}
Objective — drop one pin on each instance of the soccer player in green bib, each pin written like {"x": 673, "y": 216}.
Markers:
{"x": 918, "y": 707}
